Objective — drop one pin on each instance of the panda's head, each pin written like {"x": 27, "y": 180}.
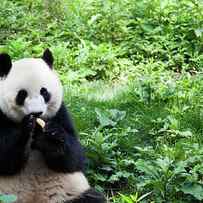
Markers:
{"x": 29, "y": 86}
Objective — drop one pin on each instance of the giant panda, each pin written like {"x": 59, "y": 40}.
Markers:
{"x": 39, "y": 165}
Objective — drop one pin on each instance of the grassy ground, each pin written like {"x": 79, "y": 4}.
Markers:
{"x": 132, "y": 75}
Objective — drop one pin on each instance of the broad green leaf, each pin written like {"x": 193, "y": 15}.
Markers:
{"x": 109, "y": 117}
{"x": 103, "y": 118}
{"x": 117, "y": 115}
{"x": 193, "y": 189}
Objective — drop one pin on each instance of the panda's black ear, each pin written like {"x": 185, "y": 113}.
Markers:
{"x": 48, "y": 57}
{"x": 5, "y": 64}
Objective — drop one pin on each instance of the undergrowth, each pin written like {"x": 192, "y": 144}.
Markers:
{"x": 132, "y": 76}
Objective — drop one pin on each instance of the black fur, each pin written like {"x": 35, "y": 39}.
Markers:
{"x": 46, "y": 95}
{"x": 48, "y": 57}
{"x": 5, "y": 64}
{"x": 90, "y": 196}
{"x": 21, "y": 96}
{"x": 59, "y": 144}
{"x": 13, "y": 139}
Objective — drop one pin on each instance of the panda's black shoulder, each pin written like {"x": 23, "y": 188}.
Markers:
{"x": 6, "y": 121}
{"x": 64, "y": 118}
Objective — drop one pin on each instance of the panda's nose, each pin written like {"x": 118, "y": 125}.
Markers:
{"x": 37, "y": 114}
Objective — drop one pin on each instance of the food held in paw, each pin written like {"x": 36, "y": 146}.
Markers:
{"x": 41, "y": 122}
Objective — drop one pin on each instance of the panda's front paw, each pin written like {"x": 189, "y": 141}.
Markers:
{"x": 55, "y": 133}
{"x": 51, "y": 140}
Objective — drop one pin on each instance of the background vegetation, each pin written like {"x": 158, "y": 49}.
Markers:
{"x": 132, "y": 74}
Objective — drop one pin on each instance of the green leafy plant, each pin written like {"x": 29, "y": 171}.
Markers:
{"x": 8, "y": 198}
{"x": 132, "y": 198}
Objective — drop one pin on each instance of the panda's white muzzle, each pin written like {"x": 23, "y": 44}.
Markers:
{"x": 35, "y": 105}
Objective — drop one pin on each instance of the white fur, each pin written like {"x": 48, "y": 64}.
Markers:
{"x": 35, "y": 104}
{"x": 30, "y": 74}
{"x": 38, "y": 184}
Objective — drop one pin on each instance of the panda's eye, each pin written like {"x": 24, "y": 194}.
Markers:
{"x": 21, "y": 96}
{"x": 46, "y": 95}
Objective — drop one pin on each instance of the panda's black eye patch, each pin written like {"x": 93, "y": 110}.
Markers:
{"x": 46, "y": 95}
{"x": 21, "y": 96}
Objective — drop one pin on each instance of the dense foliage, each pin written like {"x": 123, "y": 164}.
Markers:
{"x": 132, "y": 74}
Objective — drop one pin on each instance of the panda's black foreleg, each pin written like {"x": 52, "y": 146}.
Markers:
{"x": 13, "y": 141}
{"x": 90, "y": 196}
{"x": 27, "y": 126}
{"x": 62, "y": 151}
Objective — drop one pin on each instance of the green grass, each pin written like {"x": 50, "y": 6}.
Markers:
{"x": 132, "y": 75}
